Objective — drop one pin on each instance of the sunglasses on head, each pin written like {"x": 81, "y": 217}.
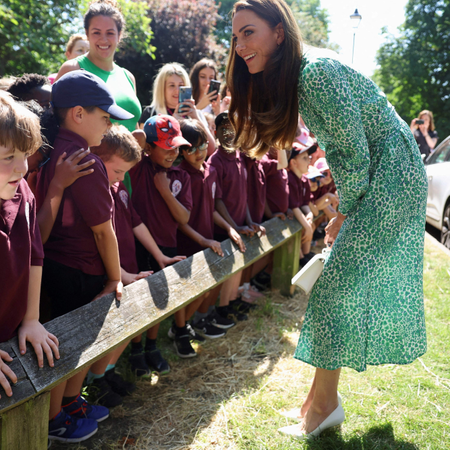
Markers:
{"x": 326, "y": 173}
{"x": 192, "y": 150}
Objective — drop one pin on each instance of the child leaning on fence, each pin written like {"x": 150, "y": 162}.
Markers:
{"x": 82, "y": 246}
{"x": 21, "y": 253}
{"x": 119, "y": 152}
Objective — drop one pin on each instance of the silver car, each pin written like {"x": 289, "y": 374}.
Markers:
{"x": 437, "y": 167}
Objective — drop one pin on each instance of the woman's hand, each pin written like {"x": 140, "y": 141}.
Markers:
{"x": 225, "y": 104}
{"x": 333, "y": 228}
{"x": 186, "y": 109}
{"x": 206, "y": 99}
{"x": 41, "y": 340}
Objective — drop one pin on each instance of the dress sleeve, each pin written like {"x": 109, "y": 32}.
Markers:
{"x": 346, "y": 147}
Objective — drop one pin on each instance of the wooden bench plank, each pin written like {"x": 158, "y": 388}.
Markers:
{"x": 107, "y": 323}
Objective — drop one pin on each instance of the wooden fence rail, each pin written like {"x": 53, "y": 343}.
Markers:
{"x": 108, "y": 323}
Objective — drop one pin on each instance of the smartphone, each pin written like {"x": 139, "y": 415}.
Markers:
{"x": 184, "y": 94}
{"x": 419, "y": 122}
{"x": 214, "y": 85}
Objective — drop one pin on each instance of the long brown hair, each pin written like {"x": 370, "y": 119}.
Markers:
{"x": 194, "y": 75}
{"x": 264, "y": 106}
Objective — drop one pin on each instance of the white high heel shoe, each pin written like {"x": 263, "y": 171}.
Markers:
{"x": 334, "y": 419}
{"x": 295, "y": 413}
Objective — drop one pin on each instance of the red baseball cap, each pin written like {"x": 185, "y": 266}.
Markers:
{"x": 164, "y": 131}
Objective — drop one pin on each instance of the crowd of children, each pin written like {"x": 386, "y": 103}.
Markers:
{"x": 84, "y": 235}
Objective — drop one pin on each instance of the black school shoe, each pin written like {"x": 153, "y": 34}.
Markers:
{"x": 220, "y": 321}
{"x": 230, "y": 313}
{"x": 103, "y": 393}
{"x": 240, "y": 306}
{"x": 156, "y": 362}
{"x": 139, "y": 364}
{"x": 182, "y": 343}
{"x": 208, "y": 329}
{"x": 194, "y": 336}
{"x": 118, "y": 384}
{"x": 261, "y": 281}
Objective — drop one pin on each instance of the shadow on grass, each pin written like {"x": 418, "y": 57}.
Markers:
{"x": 376, "y": 438}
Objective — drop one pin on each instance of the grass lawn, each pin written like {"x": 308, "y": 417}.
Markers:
{"x": 229, "y": 396}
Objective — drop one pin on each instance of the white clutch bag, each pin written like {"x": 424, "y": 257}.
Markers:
{"x": 309, "y": 274}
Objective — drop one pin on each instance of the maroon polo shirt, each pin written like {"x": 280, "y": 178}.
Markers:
{"x": 149, "y": 203}
{"x": 204, "y": 187}
{"x": 277, "y": 186}
{"x": 232, "y": 179}
{"x": 299, "y": 191}
{"x": 125, "y": 219}
{"x": 20, "y": 248}
{"x": 85, "y": 204}
{"x": 256, "y": 188}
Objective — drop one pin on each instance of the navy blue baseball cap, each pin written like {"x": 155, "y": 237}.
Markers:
{"x": 82, "y": 88}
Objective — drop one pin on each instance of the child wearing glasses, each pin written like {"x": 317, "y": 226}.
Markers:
{"x": 198, "y": 233}
{"x": 162, "y": 198}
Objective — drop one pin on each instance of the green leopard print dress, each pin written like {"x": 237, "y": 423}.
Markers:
{"x": 367, "y": 307}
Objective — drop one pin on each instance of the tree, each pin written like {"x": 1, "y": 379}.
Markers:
{"x": 182, "y": 33}
{"x": 33, "y": 34}
{"x": 414, "y": 68}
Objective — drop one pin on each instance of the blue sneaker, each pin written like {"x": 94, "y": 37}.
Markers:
{"x": 66, "y": 428}
{"x": 81, "y": 409}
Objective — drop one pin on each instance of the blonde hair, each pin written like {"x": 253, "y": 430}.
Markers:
{"x": 19, "y": 127}
{"x": 159, "y": 85}
{"x": 73, "y": 40}
{"x": 120, "y": 142}
{"x": 430, "y": 115}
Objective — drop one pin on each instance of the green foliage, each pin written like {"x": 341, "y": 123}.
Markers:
{"x": 311, "y": 18}
{"x": 182, "y": 32}
{"x": 33, "y": 34}
{"x": 415, "y": 67}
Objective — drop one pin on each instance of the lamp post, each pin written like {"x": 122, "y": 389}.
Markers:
{"x": 356, "y": 19}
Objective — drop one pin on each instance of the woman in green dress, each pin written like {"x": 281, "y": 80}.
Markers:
{"x": 105, "y": 26}
{"x": 367, "y": 307}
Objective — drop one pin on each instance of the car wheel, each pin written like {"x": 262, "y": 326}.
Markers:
{"x": 445, "y": 232}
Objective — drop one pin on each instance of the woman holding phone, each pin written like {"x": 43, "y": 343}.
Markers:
{"x": 367, "y": 307}
{"x": 166, "y": 99}
{"x": 203, "y": 78}
{"x": 425, "y": 132}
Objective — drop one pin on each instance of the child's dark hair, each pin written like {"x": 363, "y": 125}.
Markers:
{"x": 108, "y": 8}
{"x": 120, "y": 142}
{"x": 193, "y": 131}
{"x": 53, "y": 118}
{"x": 21, "y": 88}
{"x": 19, "y": 127}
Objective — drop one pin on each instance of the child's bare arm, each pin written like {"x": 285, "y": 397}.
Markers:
{"x": 223, "y": 211}
{"x": 178, "y": 211}
{"x": 232, "y": 233}
{"x": 282, "y": 159}
{"x": 31, "y": 329}
{"x": 66, "y": 172}
{"x": 201, "y": 240}
{"x": 307, "y": 229}
{"x": 128, "y": 278}
{"x": 106, "y": 242}
{"x": 313, "y": 208}
{"x": 269, "y": 214}
{"x": 144, "y": 236}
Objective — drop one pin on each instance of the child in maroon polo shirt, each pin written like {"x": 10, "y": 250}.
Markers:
{"x": 231, "y": 203}
{"x": 21, "y": 253}
{"x": 162, "y": 198}
{"x": 318, "y": 201}
{"x": 299, "y": 194}
{"x": 198, "y": 233}
{"x": 82, "y": 246}
{"x": 119, "y": 152}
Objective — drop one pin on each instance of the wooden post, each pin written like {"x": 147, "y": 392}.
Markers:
{"x": 26, "y": 426}
{"x": 285, "y": 264}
